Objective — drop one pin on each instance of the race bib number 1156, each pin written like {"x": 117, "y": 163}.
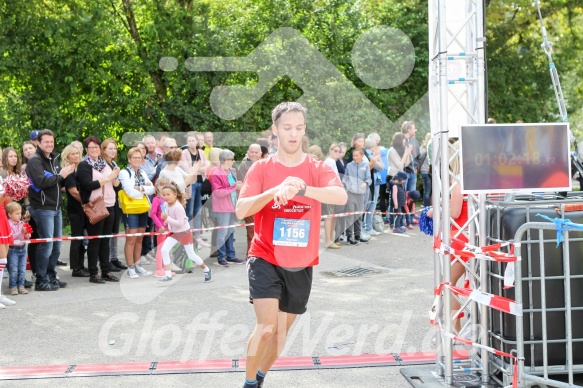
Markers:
{"x": 291, "y": 232}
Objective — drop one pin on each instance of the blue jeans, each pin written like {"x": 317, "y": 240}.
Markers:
{"x": 371, "y": 206}
{"x": 225, "y": 237}
{"x": 426, "y": 189}
{"x": 49, "y": 224}
{"x": 16, "y": 266}
{"x": 410, "y": 185}
{"x": 194, "y": 207}
{"x": 399, "y": 219}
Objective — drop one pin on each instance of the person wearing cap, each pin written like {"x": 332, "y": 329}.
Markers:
{"x": 410, "y": 198}
{"x": 34, "y": 137}
{"x": 398, "y": 199}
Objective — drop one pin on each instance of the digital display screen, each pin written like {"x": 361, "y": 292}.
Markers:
{"x": 503, "y": 158}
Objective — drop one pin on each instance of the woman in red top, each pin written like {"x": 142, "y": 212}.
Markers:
{"x": 5, "y": 240}
{"x": 458, "y": 213}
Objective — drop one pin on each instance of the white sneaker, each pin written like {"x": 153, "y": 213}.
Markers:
{"x": 132, "y": 273}
{"x": 175, "y": 268}
{"x": 151, "y": 257}
{"x": 165, "y": 279}
{"x": 373, "y": 232}
{"x": 6, "y": 302}
{"x": 202, "y": 244}
{"x": 364, "y": 235}
{"x": 141, "y": 271}
{"x": 2, "y": 306}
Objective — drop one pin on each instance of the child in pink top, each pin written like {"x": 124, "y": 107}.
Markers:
{"x": 156, "y": 216}
{"x": 177, "y": 222}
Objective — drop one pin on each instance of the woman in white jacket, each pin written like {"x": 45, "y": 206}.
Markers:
{"x": 136, "y": 184}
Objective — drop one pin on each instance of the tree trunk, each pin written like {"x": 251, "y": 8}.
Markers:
{"x": 132, "y": 28}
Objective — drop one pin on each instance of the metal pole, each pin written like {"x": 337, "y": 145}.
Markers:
{"x": 481, "y": 107}
{"x": 444, "y": 173}
{"x": 567, "y": 293}
{"x": 435, "y": 152}
{"x": 543, "y": 303}
{"x": 518, "y": 299}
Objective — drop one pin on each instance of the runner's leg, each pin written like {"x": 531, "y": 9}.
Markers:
{"x": 277, "y": 341}
{"x": 266, "y": 313}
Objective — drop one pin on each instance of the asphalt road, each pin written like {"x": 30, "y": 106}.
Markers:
{"x": 384, "y": 310}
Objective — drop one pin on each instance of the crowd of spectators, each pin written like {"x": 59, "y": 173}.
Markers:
{"x": 378, "y": 179}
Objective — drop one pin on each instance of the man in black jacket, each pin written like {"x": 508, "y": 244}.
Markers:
{"x": 44, "y": 194}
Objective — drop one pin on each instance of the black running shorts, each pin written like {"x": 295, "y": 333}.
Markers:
{"x": 292, "y": 287}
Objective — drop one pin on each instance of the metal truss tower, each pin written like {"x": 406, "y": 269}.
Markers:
{"x": 457, "y": 93}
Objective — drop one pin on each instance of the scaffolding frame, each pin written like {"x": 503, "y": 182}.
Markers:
{"x": 457, "y": 90}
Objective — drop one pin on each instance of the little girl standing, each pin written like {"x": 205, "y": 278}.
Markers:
{"x": 156, "y": 214}
{"x": 177, "y": 221}
{"x": 5, "y": 240}
{"x": 17, "y": 250}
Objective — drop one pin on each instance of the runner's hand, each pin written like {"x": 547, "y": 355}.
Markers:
{"x": 295, "y": 181}
{"x": 285, "y": 193}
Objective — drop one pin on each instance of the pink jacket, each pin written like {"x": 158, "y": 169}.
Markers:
{"x": 156, "y": 212}
{"x": 177, "y": 219}
{"x": 222, "y": 190}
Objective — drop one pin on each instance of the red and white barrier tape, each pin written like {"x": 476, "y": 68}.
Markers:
{"x": 462, "y": 249}
{"x": 489, "y": 349}
{"x": 71, "y": 238}
{"x": 496, "y": 302}
{"x": 493, "y": 301}
{"x": 338, "y": 215}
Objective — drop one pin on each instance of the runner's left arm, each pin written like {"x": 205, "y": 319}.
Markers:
{"x": 327, "y": 187}
{"x": 333, "y": 195}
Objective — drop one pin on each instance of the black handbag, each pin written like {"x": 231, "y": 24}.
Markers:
{"x": 206, "y": 188}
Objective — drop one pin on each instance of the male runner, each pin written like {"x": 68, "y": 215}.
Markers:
{"x": 284, "y": 192}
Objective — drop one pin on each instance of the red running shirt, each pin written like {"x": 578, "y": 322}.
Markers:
{"x": 268, "y": 173}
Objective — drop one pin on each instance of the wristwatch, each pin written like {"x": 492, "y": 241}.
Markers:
{"x": 301, "y": 192}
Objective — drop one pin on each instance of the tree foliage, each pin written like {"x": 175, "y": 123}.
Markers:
{"x": 83, "y": 67}
{"x": 520, "y": 85}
